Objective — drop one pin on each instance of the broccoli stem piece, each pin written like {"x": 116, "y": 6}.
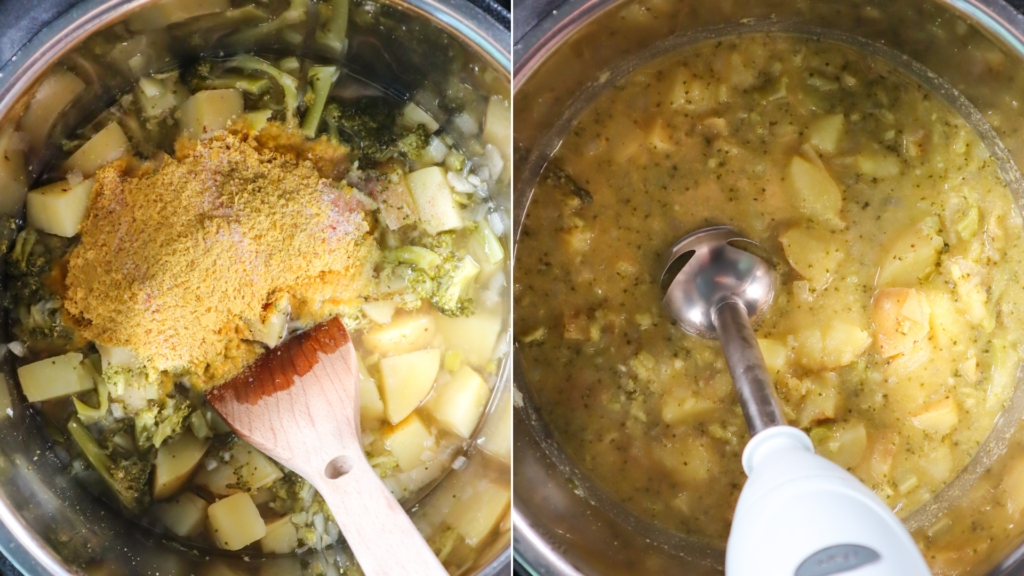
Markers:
{"x": 88, "y": 414}
{"x": 288, "y": 83}
{"x": 295, "y": 13}
{"x": 321, "y": 79}
{"x": 246, "y": 84}
{"x": 417, "y": 256}
{"x": 492, "y": 245}
{"x": 127, "y": 479}
{"x": 332, "y": 34}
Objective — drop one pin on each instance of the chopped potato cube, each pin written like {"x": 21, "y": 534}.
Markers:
{"x": 496, "y": 436}
{"x": 208, "y": 111}
{"x": 407, "y": 380}
{"x": 405, "y": 333}
{"x": 176, "y": 460}
{"x": 901, "y": 317}
{"x": 234, "y": 522}
{"x": 844, "y": 443}
{"x": 459, "y": 403}
{"x": 247, "y": 469}
{"x": 814, "y": 254}
{"x": 498, "y": 127}
{"x": 59, "y": 208}
{"x": 477, "y": 510}
{"x": 825, "y": 132}
{"x": 821, "y": 402}
{"x": 775, "y": 354}
{"x": 413, "y": 116}
{"x": 184, "y": 515}
{"x": 1013, "y": 486}
{"x": 13, "y": 177}
{"x": 281, "y": 538}
{"x": 878, "y": 164}
{"x": 371, "y": 407}
{"x": 680, "y": 409}
{"x": 838, "y": 343}
{"x": 912, "y": 256}
{"x": 881, "y": 455}
{"x": 940, "y": 417}
{"x": 408, "y": 440}
{"x": 55, "y": 377}
{"x": 813, "y": 192}
{"x": 972, "y": 295}
{"x": 106, "y": 146}
{"x": 474, "y": 336}
{"x": 434, "y": 201}
{"x": 381, "y": 311}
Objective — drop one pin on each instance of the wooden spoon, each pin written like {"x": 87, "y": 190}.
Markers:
{"x": 299, "y": 403}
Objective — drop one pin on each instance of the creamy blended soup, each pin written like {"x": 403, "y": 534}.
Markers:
{"x": 894, "y": 335}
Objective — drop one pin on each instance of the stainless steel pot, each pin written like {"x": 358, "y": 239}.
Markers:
{"x": 565, "y": 524}
{"x": 49, "y": 524}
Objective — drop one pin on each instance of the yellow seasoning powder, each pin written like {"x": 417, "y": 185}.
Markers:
{"x": 173, "y": 264}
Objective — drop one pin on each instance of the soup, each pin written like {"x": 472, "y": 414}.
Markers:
{"x": 894, "y": 334}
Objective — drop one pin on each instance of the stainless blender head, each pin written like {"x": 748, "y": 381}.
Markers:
{"x": 717, "y": 291}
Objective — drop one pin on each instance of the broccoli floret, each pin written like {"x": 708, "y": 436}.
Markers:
{"x": 416, "y": 145}
{"x": 453, "y": 284}
{"x": 321, "y": 78}
{"x": 440, "y": 274}
{"x": 34, "y": 306}
{"x": 157, "y": 423}
{"x": 127, "y": 479}
{"x": 368, "y": 125}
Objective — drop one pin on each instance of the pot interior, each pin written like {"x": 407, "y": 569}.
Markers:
{"x": 51, "y": 523}
{"x": 968, "y": 53}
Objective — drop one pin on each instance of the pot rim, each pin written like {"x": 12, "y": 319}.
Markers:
{"x": 531, "y": 551}
{"x": 26, "y": 550}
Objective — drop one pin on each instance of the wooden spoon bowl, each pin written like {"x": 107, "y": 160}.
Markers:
{"x": 299, "y": 404}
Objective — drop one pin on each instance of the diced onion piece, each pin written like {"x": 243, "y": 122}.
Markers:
{"x": 209, "y": 111}
{"x": 434, "y": 201}
{"x": 106, "y": 146}
{"x": 183, "y": 515}
{"x": 59, "y": 208}
{"x": 409, "y": 441}
{"x": 55, "y": 377}
{"x": 234, "y": 522}
{"x": 459, "y": 403}
{"x": 407, "y": 380}
{"x": 176, "y": 460}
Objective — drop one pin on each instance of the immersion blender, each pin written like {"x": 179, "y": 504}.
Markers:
{"x": 799, "y": 514}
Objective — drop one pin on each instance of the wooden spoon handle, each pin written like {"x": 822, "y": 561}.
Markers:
{"x": 377, "y": 529}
